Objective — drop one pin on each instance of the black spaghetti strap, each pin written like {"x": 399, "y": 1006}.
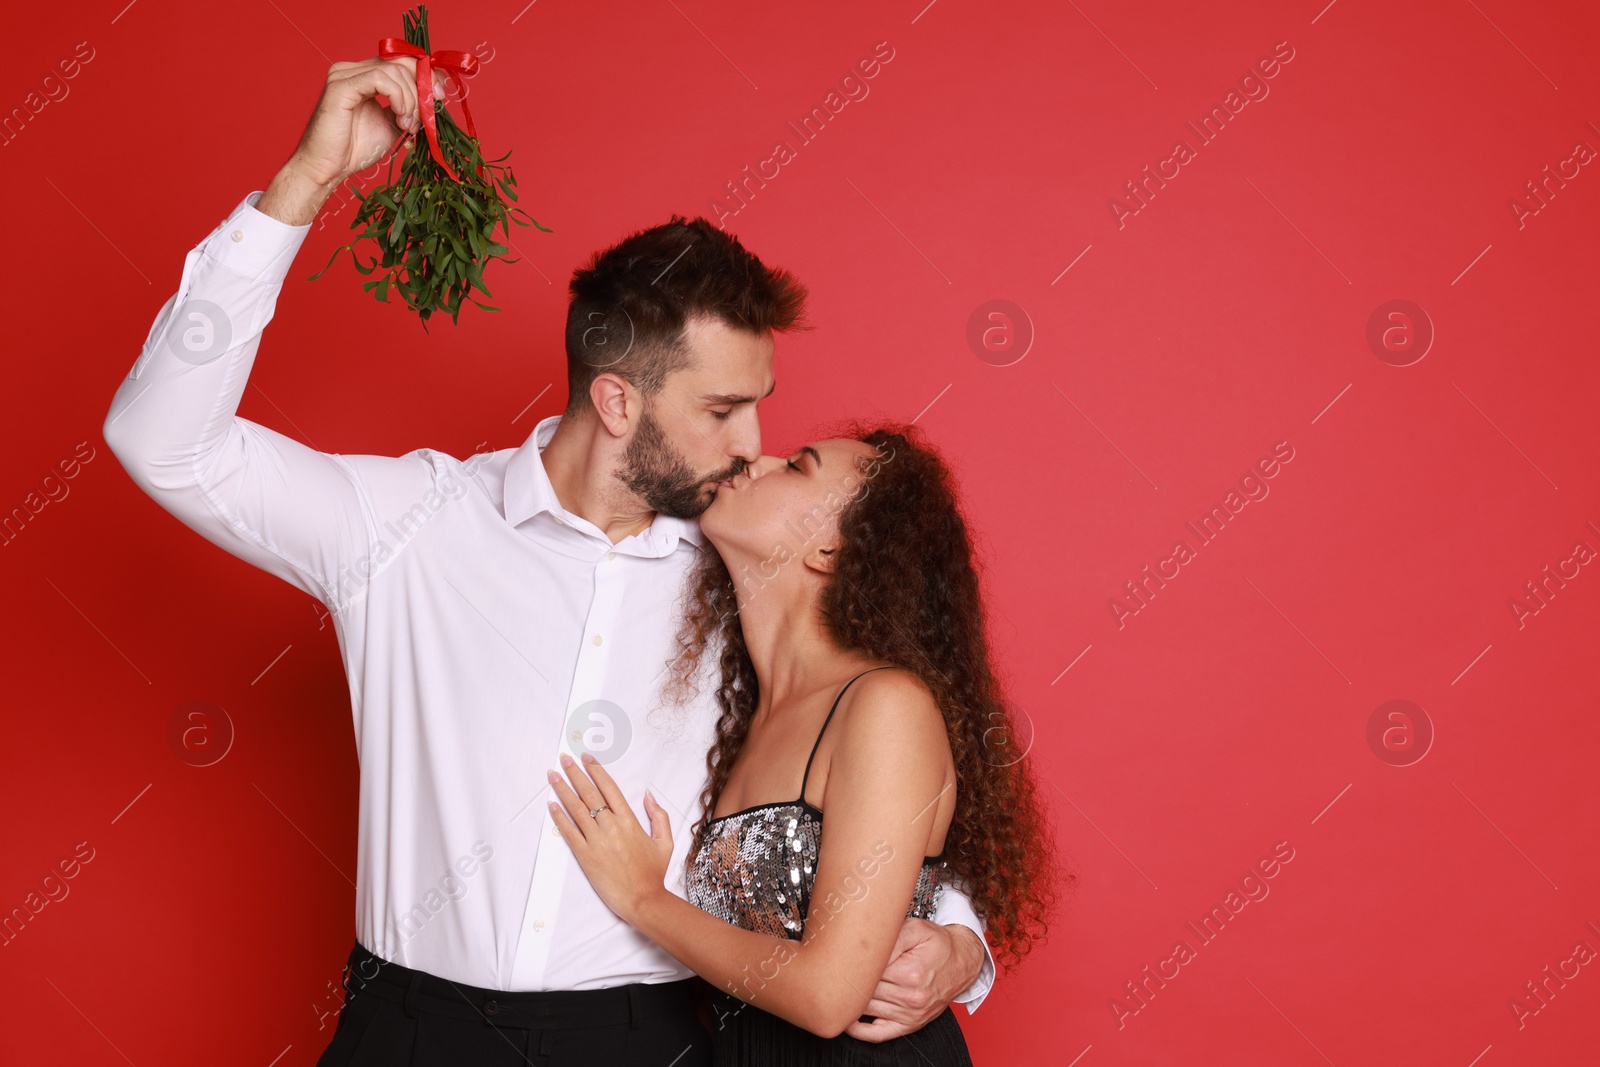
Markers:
{"x": 814, "y": 745}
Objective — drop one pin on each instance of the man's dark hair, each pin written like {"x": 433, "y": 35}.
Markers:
{"x": 629, "y": 303}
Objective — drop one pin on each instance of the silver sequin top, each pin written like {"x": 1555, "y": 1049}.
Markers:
{"x": 755, "y": 867}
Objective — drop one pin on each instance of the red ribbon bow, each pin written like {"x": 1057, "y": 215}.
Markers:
{"x": 453, "y": 64}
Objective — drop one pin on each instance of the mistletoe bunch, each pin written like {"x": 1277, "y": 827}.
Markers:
{"x": 434, "y": 228}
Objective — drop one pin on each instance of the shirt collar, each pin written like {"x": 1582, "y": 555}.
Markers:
{"x": 528, "y": 492}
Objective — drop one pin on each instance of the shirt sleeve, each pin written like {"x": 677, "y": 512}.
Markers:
{"x": 954, "y": 908}
{"x": 292, "y": 511}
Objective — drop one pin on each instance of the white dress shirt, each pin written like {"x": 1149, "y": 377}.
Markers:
{"x": 484, "y": 630}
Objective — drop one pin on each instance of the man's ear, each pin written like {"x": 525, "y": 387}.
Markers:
{"x": 614, "y": 403}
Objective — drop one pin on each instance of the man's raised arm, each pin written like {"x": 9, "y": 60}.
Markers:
{"x": 287, "y": 508}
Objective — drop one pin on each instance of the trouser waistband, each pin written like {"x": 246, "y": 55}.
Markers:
{"x": 420, "y": 992}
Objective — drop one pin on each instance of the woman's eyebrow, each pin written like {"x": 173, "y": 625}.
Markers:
{"x": 807, "y": 449}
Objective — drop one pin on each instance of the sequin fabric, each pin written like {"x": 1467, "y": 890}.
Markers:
{"x": 756, "y": 867}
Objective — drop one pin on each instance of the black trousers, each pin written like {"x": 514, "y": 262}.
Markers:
{"x": 395, "y": 1016}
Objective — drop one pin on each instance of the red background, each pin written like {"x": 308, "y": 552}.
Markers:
{"x": 1230, "y": 713}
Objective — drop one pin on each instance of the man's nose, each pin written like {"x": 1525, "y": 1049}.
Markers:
{"x": 763, "y": 465}
{"x": 746, "y": 446}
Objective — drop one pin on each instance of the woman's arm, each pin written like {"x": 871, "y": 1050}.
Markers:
{"x": 890, "y": 763}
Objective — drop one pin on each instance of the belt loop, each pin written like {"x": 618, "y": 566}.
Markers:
{"x": 411, "y": 995}
{"x": 633, "y": 1005}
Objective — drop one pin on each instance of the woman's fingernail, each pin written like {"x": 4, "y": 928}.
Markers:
{"x": 588, "y": 758}
{"x": 553, "y": 776}
{"x": 566, "y": 760}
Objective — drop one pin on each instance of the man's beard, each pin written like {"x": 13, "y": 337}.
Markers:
{"x": 659, "y": 475}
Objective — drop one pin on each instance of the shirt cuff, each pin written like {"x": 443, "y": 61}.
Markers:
{"x": 974, "y": 994}
{"x": 255, "y": 245}
{"x": 955, "y": 909}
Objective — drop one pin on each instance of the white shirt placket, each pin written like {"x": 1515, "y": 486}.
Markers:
{"x": 550, "y": 868}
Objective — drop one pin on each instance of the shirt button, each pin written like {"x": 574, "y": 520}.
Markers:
{"x": 597, "y": 639}
{"x": 611, "y": 555}
{"x": 238, "y": 235}
{"x": 538, "y": 924}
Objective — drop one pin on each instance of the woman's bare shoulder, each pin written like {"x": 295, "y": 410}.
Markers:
{"x": 893, "y": 703}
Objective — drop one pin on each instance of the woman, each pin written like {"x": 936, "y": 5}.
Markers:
{"x": 856, "y": 681}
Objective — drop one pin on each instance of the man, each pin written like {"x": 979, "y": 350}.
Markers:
{"x": 495, "y": 613}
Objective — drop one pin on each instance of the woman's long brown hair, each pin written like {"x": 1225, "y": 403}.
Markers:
{"x": 905, "y": 591}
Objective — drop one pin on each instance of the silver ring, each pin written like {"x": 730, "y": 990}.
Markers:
{"x": 596, "y": 811}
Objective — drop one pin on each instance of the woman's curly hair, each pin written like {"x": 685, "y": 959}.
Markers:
{"x": 905, "y": 591}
